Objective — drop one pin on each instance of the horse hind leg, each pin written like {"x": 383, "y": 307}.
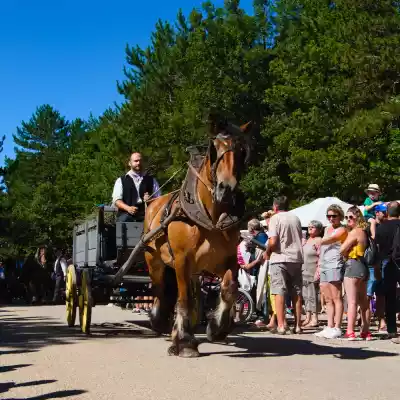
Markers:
{"x": 184, "y": 343}
{"x": 221, "y": 321}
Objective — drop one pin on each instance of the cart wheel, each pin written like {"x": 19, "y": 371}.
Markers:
{"x": 85, "y": 302}
{"x": 71, "y": 296}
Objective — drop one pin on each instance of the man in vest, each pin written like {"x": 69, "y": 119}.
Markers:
{"x": 132, "y": 190}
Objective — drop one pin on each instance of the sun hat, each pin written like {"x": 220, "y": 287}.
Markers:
{"x": 373, "y": 187}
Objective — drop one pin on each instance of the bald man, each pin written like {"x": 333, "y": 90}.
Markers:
{"x": 132, "y": 190}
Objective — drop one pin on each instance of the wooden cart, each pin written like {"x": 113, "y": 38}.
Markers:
{"x": 108, "y": 265}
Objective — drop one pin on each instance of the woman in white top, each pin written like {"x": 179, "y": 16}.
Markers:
{"x": 331, "y": 272}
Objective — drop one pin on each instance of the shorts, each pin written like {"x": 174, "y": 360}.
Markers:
{"x": 356, "y": 269}
{"x": 372, "y": 282}
{"x": 286, "y": 278}
{"x": 331, "y": 275}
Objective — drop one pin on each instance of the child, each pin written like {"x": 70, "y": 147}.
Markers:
{"x": 374, "y": 192}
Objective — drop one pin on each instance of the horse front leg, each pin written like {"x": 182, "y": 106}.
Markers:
{"x": 221, "y": 322}
{"x": 184, "y": 344}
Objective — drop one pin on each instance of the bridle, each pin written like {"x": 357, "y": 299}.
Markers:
{"x": 214, "y": 166}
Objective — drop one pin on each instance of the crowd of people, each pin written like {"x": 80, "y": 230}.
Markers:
{"x": 350, "y": 267}
{"x": 39, "y": 279}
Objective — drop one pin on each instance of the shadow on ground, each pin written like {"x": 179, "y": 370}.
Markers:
{"x": 22, "y": 335}
{"x": 276, "y": 346}
{"x": 270, "y": 345}
{"x": 6, "y": 386}
{"x": 27, "y": 334}
{"x": 61, "y": 394}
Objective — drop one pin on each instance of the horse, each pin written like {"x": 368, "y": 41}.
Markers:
{"x": 188, "y": 247}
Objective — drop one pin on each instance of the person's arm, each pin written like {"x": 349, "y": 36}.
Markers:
{"x": 369, "y": 204}
{"x": 377, "y": 265}
{"x": 349, "y": 243}
{"x": 63, "y": 263}
{"x": 156, "y": 189}
{"x": 156, "y": 192}
{"x": 272, "y": 238}
{"x": 373, "y": 224}
{"x": 334, "y": 238}
{"x": 117, "y": 199}
{"x": 317, "y": 275}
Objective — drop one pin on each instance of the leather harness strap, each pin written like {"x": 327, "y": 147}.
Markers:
{"x": 206, "y": 184}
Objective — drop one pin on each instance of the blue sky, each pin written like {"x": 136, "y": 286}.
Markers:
{"x": 70, "y": 54}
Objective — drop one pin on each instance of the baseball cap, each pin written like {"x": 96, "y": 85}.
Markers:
{"x": 381, "y": 207}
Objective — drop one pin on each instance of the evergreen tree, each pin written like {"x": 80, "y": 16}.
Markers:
{"x": 334, "y": 125}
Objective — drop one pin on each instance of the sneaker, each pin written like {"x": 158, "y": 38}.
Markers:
{"x": 333, "y": 333}
{"x": 366, "y": 336}
{"x": 350, "y": 336}
{"x": 322, "y": 333}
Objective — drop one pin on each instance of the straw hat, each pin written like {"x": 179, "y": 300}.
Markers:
{"x": 372, "y": 187}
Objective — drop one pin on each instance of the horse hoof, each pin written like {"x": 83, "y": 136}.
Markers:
{"x": 172, "y": 350}
{"x": 216, "y": 335}
{"x": 187, "y": 352}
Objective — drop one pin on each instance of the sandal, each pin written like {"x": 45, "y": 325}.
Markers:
{"x": 279, "y": 332}
{"x": 310, "y": 325}
{"x": 260, "y": 325}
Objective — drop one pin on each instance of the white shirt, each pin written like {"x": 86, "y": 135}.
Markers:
{"x": 137, "y": 179}
{"x": 63, "y": 264}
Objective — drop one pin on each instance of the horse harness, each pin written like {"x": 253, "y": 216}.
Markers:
{"x": 190, "y": 208}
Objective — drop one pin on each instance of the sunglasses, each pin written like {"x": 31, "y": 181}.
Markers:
{"x": 328, "y": 216}
{"x": 349, "y": 217}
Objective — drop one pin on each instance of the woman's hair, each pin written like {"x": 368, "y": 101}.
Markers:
{"x": 360, "y": 221}
{"x": 318, "y": 226}
{"x": 336, "y": 208}
{"x": 254, "y": 225}
{"x": 268, "y": 214}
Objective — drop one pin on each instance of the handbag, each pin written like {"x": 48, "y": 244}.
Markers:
{"x": 246, "y": 281}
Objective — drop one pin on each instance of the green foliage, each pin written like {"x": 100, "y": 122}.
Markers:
{"x": 333, "y": 126}
{"x": 319, "y": 80}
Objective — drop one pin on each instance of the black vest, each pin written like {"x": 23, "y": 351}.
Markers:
{"x": 130, "y": 194}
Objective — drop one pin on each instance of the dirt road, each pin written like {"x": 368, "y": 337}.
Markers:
{"x": 40, "y": 358}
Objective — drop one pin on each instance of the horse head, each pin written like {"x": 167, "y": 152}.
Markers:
{"x": 228, "y": 153}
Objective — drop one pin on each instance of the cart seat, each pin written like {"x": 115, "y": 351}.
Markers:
{"x": 128, "y": 234}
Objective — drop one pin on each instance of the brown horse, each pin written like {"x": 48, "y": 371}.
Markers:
{"x": 186, "y": 248}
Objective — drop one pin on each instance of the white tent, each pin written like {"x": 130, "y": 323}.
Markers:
{"x": 316, "y": 210}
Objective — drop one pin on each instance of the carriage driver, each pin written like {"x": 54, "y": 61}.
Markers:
{"x": 132, "y": 190}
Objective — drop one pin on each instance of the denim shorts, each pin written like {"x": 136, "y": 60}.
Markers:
{"x": 331, "y": 275}
{"x": 356, "y": 268}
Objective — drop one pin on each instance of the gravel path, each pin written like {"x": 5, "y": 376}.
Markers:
{"x": 41, "y": 358}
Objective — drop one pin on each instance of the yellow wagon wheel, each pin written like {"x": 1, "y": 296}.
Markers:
{"x": 85, "y": 302}
{"x": 71, "y": 295}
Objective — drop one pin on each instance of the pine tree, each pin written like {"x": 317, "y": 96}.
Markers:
{"x": 334, "y": 99}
